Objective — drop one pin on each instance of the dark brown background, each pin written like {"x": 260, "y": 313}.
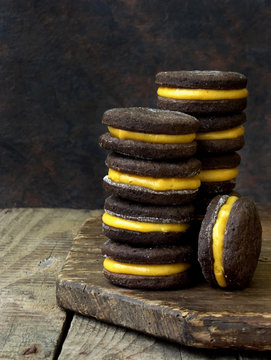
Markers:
{"x": 63, "y": 63}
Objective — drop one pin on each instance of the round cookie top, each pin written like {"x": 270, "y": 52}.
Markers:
{"x": 147, "y": 212}
{"x": 157, "y": 169}
{"x": 225, "y": 161}
{"x": 196, "y": 79}
{"x": 241, "y": 242}
{"x": 152, "y": 121}
{"x": 214, "y": 122}
{"x": 142, "y": 255}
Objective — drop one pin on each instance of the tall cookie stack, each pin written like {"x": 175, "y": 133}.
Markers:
{"x": 152, "y": 179}
{"x": 217, "y": 100}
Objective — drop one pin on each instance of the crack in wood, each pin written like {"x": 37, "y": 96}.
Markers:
{"x": 63, "y": 334}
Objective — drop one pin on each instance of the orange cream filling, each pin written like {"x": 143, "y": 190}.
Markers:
{"x": 154, "y": 138}
{"x": 158, "y": 184}
{"x": 218, "y": 239}
{"x": 144, "y": 269}
{"x": 140, "y": 226}
{"x": 218, "y": 175}
{"x": 223, "y": 134}
{"x": 201, "y": 94}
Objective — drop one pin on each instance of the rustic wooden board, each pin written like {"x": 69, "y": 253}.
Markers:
{"x": 33, "y": 246}
{"x": 199, "y": 316}
{"x": 90, "y": 339}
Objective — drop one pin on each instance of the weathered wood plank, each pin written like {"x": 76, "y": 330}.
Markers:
{"x": 90, "y": 339}
{"x": 198, "y": 316}
{"x": 33, "y": 246}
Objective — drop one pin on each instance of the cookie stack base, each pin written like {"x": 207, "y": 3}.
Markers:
{"x": 150, "y": 282}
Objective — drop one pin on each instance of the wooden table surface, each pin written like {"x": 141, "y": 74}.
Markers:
{"x": 33, "y": 246}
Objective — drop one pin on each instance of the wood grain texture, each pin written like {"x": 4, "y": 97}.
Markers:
{"x": 90, "y": 339}
{"x": 33, "y": 247}
{"x": 198, "y": 316}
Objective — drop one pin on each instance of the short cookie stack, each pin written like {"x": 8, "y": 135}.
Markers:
{"x": 229, "y": 238}
{"x": 217, "y": 100}
{"x": 152, "y": 182}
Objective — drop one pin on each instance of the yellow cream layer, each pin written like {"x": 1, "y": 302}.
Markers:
{"x": 154, "y": 138}
{"x": 201, "y": 94}
{"x": 158, "y": 184}
{"x": 223, "y": 134}
{"x": 144, "y": 269}
{"x": 218, "y": 239}
{"x": 218, "y": 175}
{"x": 140, "y": 226}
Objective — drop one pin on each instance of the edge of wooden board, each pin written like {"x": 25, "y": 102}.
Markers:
{"x": 247, "y": 331}
{"x": 189, "y": 328}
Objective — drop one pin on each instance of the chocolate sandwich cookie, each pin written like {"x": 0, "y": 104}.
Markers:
{"x": 145, "y": 224}
{"x": 218, "y": 173}
{"x": 221, "y": 134}
{"x": 148, "y": 268}
{"x": 203, "y": 200}
{"x": 149, "y": 133}
{"x": 155, "y": 182}
{"x": 230, "y": 242}
{"x": 202, "y": 92}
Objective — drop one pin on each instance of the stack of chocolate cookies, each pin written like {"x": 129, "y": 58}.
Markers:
{"x": 152, "y": 181}
{"x": 217, "y": 99}
{"x": 157, "y": 172}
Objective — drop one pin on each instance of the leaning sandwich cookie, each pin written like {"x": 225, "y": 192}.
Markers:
{"x": 201, "y": 204}
{"x": 148, "y": 268}
{"x": 203, "y": 200}
{"x": 199, "y": 92}
{"x": 155, "y": 182}
{"x": 142, "y": 224}
{"x": 230, "y": 242}
{"x": 149, "y": 133}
